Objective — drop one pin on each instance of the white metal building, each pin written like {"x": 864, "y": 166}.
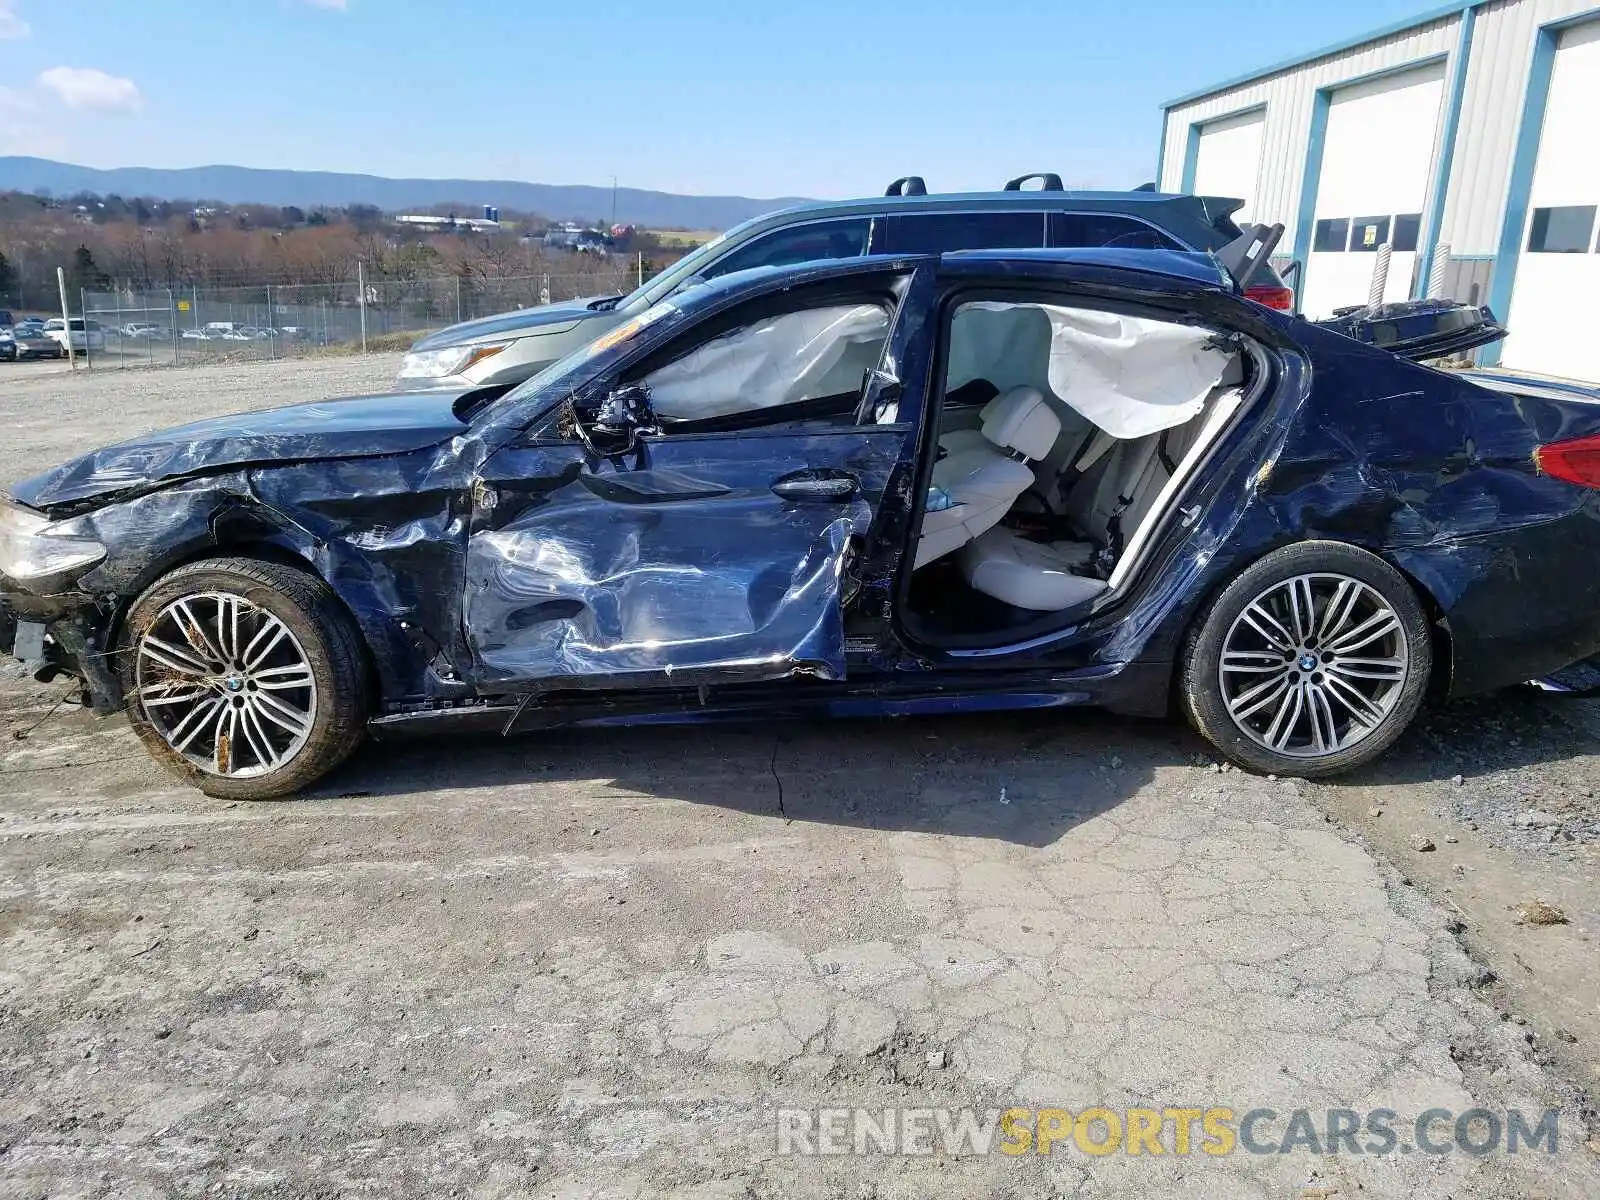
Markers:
{"x": 1475, "y": 127}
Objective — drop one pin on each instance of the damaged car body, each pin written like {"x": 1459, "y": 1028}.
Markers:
{"x": 886, "y": 485}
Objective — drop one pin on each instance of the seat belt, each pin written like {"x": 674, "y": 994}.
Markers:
{"x": 1074, "y": 466}
{"x": 1165, "y": 455}
{"x": 1114, "y": 537}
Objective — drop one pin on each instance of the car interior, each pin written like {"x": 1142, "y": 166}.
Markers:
{"x": 1064, "y": 435}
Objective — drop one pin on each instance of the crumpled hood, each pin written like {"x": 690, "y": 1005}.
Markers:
{"x": 357, "y": 427}
{"x": 547, "y": 318}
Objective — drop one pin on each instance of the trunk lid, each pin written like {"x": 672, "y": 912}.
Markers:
{"x": 1419, "y": 329}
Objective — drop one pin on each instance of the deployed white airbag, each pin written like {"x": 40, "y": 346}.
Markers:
{"x": 784, "y": 359}
{"x": 1131, "y": 376}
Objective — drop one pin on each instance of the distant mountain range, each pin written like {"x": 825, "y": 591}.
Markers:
{"x": 310, "y": 189}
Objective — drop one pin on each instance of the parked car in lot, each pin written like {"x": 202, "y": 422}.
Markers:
{"x": 888, "y": 485}
{"x": 511, "y": 347}
{"x": 86, "y": 335}
{"x": 28, "y": 341}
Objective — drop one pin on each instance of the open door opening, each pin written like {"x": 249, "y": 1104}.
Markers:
{"x": 691, "y": 520}
{"x": 1065, "y": 436}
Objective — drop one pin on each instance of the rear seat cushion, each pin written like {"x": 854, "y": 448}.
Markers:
{"x": 1027, "y": 574}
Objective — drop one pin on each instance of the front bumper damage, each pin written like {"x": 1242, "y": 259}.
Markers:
{"x": 62, "y": 634}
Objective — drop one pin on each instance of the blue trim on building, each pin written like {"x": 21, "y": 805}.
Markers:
{"x": 1427, "y": 18}
{"x": 1161, "y": 155}
{"x": 1434, "y": 219}
{"x": 1306, "y": 216}
{"x": 1191, "y": 159}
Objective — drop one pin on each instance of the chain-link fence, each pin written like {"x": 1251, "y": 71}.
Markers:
{"x": 163, "y": 326}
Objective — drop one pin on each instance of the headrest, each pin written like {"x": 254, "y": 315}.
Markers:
{"x": 1020, "y": 420}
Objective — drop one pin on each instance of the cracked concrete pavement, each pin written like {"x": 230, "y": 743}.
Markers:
{"x": 588, "y": 964}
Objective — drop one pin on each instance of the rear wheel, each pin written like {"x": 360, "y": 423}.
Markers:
{"x": 1312, "y": 662}
{"x": 245, "y": 677}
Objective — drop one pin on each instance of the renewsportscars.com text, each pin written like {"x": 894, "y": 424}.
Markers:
{"x": 1216, "y": 1131}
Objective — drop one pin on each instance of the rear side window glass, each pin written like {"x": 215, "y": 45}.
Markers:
{"x": 1332, "y": 234}
{"x": 1102, "y": 229}
{"x": 1568, "y": 229}
{"x": 1407, "y": 229}
{"x": 1368, "y": 233}
{"x": 798, "y": 244}
{"x": 935, "y": 233}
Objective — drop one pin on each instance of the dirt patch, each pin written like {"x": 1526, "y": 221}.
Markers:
{"x": 602, "y": 964}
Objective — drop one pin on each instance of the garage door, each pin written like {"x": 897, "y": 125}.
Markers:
{"x": 1228, "y": 159}
{"x": 1377, "y": 159}
{"x": 1558, "y": 273}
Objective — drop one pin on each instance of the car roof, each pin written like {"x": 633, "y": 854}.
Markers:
{"x": 1182, "y": 266}
{"x": 1200, "y": 270}
{"x": 1033, "y": 199}
{"x": 1152, "y": 205}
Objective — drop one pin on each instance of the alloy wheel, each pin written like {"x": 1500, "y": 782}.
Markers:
{"x": 226, "y": 684}
{"x": 1314, "y": 664}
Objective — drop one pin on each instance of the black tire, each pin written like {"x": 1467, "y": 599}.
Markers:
{"x": 325, "y": 639}
{"x": 1397, "y": 699}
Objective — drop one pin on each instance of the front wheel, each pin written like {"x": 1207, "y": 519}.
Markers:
{"x": 1311, "y": 662}
{"x": 245, "y": 677}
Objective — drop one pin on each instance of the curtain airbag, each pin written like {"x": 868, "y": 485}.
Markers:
{"x": 779, "y": 360}
{"x": 1131, "y": 376}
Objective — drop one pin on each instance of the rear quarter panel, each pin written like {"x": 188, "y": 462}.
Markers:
{"x": 1437, "y": 474}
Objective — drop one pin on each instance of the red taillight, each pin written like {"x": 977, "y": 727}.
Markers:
{"x": 1577, "y": 461}
{"x": 1273, "y": 295}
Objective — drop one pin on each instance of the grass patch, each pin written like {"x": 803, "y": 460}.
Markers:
{"x": 376, "y": 344}
{"x": 684, "y": 239}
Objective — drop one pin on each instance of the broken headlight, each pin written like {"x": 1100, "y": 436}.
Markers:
{"x": 32, "y": 546}
{"x": 452, "y": 360}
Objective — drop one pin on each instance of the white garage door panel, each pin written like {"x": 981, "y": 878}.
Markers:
{"x": 1377, "y": 160}
{"x": 1378, "y": 149}
{"x": 1229, "y": 160}
{"x": 1551, "y": 321}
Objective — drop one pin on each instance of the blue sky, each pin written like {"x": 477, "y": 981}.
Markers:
{"x": 824, "y": 98}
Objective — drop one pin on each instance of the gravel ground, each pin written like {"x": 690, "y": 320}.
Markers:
{"x": 591, "y": 964}
{"x": 51, "y": 415}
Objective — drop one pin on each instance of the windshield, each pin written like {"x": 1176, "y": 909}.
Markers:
{"x": 689, "y": 265}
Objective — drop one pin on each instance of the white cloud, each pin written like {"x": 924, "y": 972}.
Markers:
{"x": 13, "y": 26}
{"x": 85, "y": 87}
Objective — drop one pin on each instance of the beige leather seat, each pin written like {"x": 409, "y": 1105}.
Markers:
{"x": 1040, "y": 576}
{"x": 973, "y": 487}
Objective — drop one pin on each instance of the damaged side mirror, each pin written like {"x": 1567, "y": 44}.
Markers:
{"x": 622, "y": 416}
